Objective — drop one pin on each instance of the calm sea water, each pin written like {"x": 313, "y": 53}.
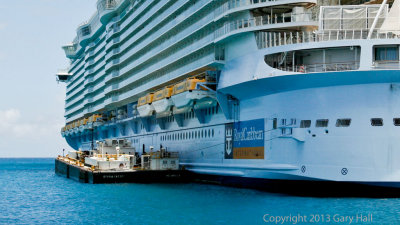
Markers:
{"x": 30, "y": 193}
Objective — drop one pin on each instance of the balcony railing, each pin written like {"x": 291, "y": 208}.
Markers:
{"x": 273, "y": 39}
{"x": 386, "y": 64}
{"x": 232, "y": 4}
{"x": 107, "y": 4}
{"x": 70, "y": 50}
{"x": 262, "y": 21}
{"x": 323, "y": 67}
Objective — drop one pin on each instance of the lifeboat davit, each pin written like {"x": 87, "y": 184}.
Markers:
{"x": 162, "y": 102}
{"x": 94, "y": 121}
{"x": 145, "y": 106}
{"x": 188, "y": 94}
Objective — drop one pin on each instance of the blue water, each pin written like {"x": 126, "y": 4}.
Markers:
{"x": 30, "y": 193}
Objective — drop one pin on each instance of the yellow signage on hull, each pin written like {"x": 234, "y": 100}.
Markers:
{"x": 248, "y": 153}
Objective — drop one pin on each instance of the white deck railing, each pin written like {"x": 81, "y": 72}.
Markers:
{"x": 323, "y": 67}
{"x": 232, "y": 4}
{"x": 262, "y": 21}
{"x": 273, "y": 39}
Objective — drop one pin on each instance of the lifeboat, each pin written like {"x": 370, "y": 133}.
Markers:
{"x": 93, "y": 121}
{"x": 162, "y": 102}
{"x": 121, "y": 114}
{"x": 188, "y": 95}
{"x": 145, "y": 107}
{"x": 82, "y": 124}
{"x": 97, "y": 120}
{"x": 76, "y": 127}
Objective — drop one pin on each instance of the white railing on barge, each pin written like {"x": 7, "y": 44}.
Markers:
{"x": 274, "y": 39}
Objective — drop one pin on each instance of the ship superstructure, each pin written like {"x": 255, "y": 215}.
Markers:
{"x": 278, "y": 90}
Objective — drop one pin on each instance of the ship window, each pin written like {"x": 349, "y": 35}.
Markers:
{"x": 396, "y": 121}
{"x": 305, "y": 123}
{"x": 322, "y": 123}
{"x": 212, "y": 132}
{"x": 377, "y": 122}
{"x": 386, "y": 54}
{"x": 343, "y": 122}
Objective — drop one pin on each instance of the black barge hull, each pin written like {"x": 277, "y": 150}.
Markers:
{"x": 137, "y": 176}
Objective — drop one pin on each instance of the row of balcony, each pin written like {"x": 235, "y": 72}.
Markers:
{"x": 95, "y": 49}
{"x": 190, "y": 65}
{"x": 159, "y": 33}
{"x": 274, "y": 39}
{"x": 291, "y": 19}
{"x": 136, "y": 19}
{"x": 108, "y": 6}
{"x": 174, "y": 44}
{"x": 78, "y": 80}
{"x": 170, "y": 59}
{"x": 173, "y": 40}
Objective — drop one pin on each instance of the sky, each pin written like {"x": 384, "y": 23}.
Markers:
{"x": 31, "y": 102}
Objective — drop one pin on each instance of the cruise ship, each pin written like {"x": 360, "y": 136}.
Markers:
{"x": 244, "y": 90}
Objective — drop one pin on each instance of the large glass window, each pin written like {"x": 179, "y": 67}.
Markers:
{"x": 386, "y": 54}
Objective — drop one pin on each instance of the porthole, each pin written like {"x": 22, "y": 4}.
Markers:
{"x": 377, "y": 122}
{"x": 305, "y": 123}
{"x": 322, "y": 123}
{"x": 343, "y": 122}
